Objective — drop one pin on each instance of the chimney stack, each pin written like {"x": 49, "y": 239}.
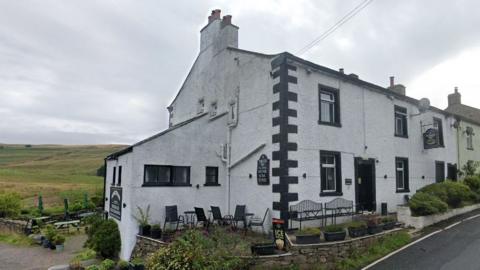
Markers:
{"x": 397, "y": 88}
{"x": 455, "y": 98}
{"x": 219, "y": 33}
{"x": 215, "y": 15}
{"x": 341, "y": 70}
{"x": 392, "y": 81}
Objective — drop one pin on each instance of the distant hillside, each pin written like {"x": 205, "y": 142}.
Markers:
{"x": 55, "y": 171}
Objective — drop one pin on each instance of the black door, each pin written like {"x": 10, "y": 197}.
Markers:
{"x": 439, "y": 171}
{"x": 365, "y": 184}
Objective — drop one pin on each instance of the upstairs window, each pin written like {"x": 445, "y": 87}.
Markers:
{"x": 330, "y": 173}
{"x": 119, "y": 182}
{"x": 329, "y": 104}
{"x": 470, "y": 138}
{"x": 401, "y": 124}
{"x": 114, "y": 175}
{"x": 401, "y": 174}
{"x": 201, "y": 106}
{"x": 213, "y": 109}
{"x": 160, "y": 175}
{"x": 211, "y": 176}
{"x": 437, "y": 124}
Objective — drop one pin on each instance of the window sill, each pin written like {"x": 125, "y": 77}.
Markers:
{"x": 211, "y": 185}
{"x": 403, "y": 191}
{"x": 166, "y": 185}
{"x": 330, "y": 193}
{"x": 330, "y": 124}
{"x": 470, "y": 149}
{"x": 401, "y": 136}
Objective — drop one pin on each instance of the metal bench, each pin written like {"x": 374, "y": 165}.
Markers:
{"x": 306, "y": 210}
{"x": 338, "y": 207}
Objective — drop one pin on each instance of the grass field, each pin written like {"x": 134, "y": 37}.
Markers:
{"x": 54, "y": 171}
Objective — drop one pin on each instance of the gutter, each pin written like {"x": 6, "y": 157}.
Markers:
{"x": 104, "y": 183}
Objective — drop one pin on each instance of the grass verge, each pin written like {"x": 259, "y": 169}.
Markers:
{"x": 15, "y": 239}
{"x": 360, "y": 258}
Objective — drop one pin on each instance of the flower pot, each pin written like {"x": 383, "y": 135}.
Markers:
{"x": 389, "y": 225}
{"x": 308, "y": 239}
{"x": 52, "y": 246}
{"x": 156, "y": 233}
{"x": 373, "y": 229}
{"x": 145, "y": 230}
{"x": 45, "y": 243}
{"x": 263, "y": 249}
{"x": 357, "y": 232}
{"x": 334, "y": 236}
{"x": 59, "y": 248}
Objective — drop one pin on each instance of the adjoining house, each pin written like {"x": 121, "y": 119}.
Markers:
{"x": 268, "y": 131}
{"x": 468, "y": 129}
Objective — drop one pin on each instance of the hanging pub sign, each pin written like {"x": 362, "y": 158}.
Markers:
{"x": 263, "y": 170}
{"x": 430, "y": 138}
{"x": 116, "y": 202}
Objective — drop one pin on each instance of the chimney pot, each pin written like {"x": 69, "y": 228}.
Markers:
{"x": 227, "y": 20}
{"x": 392, "y": 81}
{"x": 456, "y": 89}
{"x": 341, "y": 70}
{"x": 455, "y": 98}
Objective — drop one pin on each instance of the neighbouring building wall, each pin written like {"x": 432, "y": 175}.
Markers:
{"x": 467, "y": 153}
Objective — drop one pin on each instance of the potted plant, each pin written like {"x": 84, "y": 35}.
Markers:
{"x": 388, "y": 223}
{"x": 263, "y": 249}
{"x": 137, "y": 264}
{"x": 156, "y": 231}
{"x": 374, "y": 225}
{"x": 308, "y": 236}
{"x": 59, "y": 240}
{"x": 334, "y": 233}
{"x": 142, "y": 220}
{"x": 50, "y": 234}
{"x": 357, "y": 228}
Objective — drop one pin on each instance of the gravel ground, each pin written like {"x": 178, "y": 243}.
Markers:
{"x": 36, "y": 257}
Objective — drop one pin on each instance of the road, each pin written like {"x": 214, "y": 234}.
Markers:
{"x": 457, "y": 248}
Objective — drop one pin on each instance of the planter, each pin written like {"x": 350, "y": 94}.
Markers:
{"x": 156, "y": 233}
{"x": 389, "y": 225}
{"x": 334, "y": 236}
{"x": 357, "y": 232}
{"x": 144, "y": 230}
{"x": 45, "y": 243}
{"x": 308, "y": 239}
{"x": 374, "y": 229}
{"x": 52, "y": 246}
{"x": 263, "y": 249}
{"x": 59, "y": 248}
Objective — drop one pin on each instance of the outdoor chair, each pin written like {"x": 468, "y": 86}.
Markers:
{"x": 239, "y": 216}
{"x": 201, "y": 217}
{"x": 217, "y": 216}
{"x": 258, "y": 222}
{"x": 172, "y": 217}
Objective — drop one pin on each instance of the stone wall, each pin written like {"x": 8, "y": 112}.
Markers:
{"x": 8, "y": 225}
{"x": 146, "y": 246}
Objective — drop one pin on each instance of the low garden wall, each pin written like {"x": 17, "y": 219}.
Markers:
{"x": 405, "y": 215}
{"x": 146, "y": 246}
{"x": 12, "y": 225}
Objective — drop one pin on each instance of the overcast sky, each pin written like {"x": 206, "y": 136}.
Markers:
{"x": 88, "y": 71}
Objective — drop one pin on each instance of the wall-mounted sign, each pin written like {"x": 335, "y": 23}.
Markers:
{"x": 263, "y": 170}
{"x": 430, "y": 138}
{"x": 348, "y": 181}
{"x": 116, "y": 202}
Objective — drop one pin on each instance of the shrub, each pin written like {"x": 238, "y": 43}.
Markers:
{"x": 10, "y": 204}
{"x": 437, "y": 190}
{"x": 309, "y": 231}
{"x": 458, "y": 194}
{"x": 333, "y": 228}
{"x": 123, "y": 265}
{"x": 59, "y": 239}
{"x": 107, "y": 265}
{"x": 473, "y": 182}
{"x": 424, "y": 204}
{"x": 50, "y": 233}
{"x": 104, "y": 238}
{"x": 92, "y": 267}
{"x": 193, "y": 251}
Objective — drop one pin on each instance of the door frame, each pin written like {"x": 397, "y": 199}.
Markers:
{"x": 372, "y": 163}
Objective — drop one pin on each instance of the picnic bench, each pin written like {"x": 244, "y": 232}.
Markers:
{"x": 65, "y": 225}
{"x": 338, "y": 207}
{"x": 306, "y": 210}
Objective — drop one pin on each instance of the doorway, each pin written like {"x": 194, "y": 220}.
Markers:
{"x": 365, "y": 184}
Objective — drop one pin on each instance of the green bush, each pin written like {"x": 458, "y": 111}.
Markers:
{"x": 10, "y": 204}
{"x": 356, "y": 225}
{"x": 104, "y": 238}
{"x": 424, "y": 204}
{"x": 473, "y": 182}
{"x": 92, "y": 267}
{"x": 123, "y": 265}
{"x": 455, "y": 194}
{"x": 193, "y": 251}
{"x": 107, "y": 265}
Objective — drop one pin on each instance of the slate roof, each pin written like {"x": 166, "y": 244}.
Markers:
{"x": 468, "y": 113}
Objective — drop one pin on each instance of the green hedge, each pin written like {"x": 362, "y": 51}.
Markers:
{"x": 10, "y": 205}
{"x": 455, "y": 194}
{"x": 424, "y": 204}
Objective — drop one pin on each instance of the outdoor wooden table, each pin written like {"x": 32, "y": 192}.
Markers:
{"x": 67, "y": 224}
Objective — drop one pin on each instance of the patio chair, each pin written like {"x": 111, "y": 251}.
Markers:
{"x": 217, "y": 216}
{"x": 239, "y": 216}
{"x": 201, "y": 217}
{"x": 258, "y": 222}
{"x": 172, "y": 217}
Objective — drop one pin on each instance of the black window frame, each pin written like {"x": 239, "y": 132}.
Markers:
{"x": 336, "y": 95}
{"x": 406, "y": 175}
{"x": 338, "y": 174}
{"x": 119, "y": 177}
{"x": 438, "y": 178}
{"x": 402, "y": 113}
{"x": 469, "y": 138}
{"x": 440, "y": 130}
{"x": 210, "y": 184}
{"x": 114, "y": 175}
{"x": 171, "y": 182}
